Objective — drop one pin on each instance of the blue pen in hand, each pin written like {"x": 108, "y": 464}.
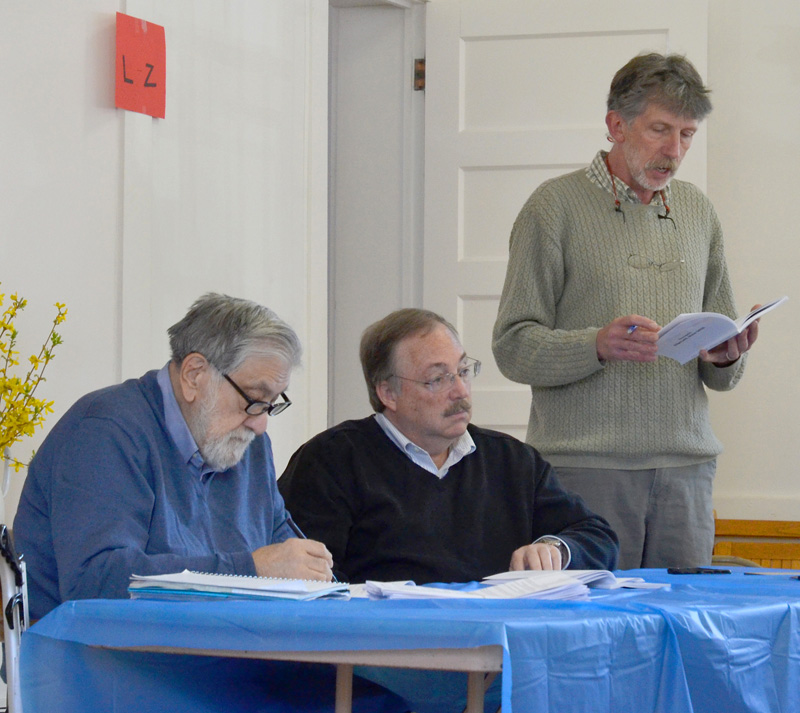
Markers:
{"x": 632, "y": 328}
{"x": 297, "y": 531}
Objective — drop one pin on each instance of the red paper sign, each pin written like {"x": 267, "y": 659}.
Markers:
{"x": 141, "y": 81}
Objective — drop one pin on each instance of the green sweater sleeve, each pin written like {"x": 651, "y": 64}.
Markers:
{"x": 528, "y": 346}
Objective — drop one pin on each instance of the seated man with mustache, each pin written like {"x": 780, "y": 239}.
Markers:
{"x": 417, "y": 492}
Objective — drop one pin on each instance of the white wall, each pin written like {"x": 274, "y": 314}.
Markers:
{"x": 753, "y": 152}
{"x": 127, "y": 219}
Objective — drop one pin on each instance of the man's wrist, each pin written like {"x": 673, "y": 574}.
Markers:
{"x": 560, "y": 545}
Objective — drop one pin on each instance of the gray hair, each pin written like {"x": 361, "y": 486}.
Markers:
{"x": 380, "y": 340}
{"x": 671, "y": 81}
{"x": 229, "y": 330}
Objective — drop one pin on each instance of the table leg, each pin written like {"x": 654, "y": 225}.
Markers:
{"x": 344, "y": 688}
{"x": 475, "y": 690}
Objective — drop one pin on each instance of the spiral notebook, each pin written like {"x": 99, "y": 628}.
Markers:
{"x": 188, "y": 584}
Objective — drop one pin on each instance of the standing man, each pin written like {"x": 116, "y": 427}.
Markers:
{"x": 599, "y": 259}
{"x": 171, "y": 471}
{"x": 417, "y": 492}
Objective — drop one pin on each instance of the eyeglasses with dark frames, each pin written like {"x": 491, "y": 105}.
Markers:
{"x": 445, "y": 381}
{"x": 257, "y": 408}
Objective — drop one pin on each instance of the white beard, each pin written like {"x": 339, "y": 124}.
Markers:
{"x": 226, "y": 451}
{"x": 640, "y": 173}
{"x": 219, "y": 452}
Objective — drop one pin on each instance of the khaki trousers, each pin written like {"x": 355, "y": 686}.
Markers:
{"x": 663, "y": 517}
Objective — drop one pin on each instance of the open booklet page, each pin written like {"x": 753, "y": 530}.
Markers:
{"x": 686, "y": 335}
{"x": 594, "y": 578}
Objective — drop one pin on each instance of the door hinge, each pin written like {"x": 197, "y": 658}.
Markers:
{"x": 419, "y": 75}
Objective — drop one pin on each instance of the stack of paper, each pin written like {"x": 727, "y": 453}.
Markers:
{"x": 572, "y": 584}
{"x": 548, "y": 585}
{"x": 188, "y": 584}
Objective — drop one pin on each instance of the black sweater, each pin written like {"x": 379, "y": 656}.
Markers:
{"x": 385, "y": 518}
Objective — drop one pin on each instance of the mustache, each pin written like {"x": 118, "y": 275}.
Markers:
{"x": 460, "y": 406}
{"x": 664, "y": 165}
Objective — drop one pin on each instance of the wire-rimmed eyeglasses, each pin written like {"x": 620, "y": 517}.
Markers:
{"x": 257, "y": 408}
{"x": 640, "y": 262}
{"x": 445, "y": 381}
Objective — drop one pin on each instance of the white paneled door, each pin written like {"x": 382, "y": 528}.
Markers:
{"x": 515, "y": 94}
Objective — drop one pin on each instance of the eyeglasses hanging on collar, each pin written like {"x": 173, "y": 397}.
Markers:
{"x": 618, "y": 204}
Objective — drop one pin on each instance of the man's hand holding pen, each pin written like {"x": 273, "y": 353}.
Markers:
{"x": 295, "y": 559}
{"x": 297, "y": 531}
{"x": 629, "y": 338}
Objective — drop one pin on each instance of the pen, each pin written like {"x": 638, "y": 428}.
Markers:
{"x": 297, "y": 531}
{"x": 632, "y": 328}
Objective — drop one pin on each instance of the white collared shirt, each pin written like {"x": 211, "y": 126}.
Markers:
{"x": 461, "y": 448}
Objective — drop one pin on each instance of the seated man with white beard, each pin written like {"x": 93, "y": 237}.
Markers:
{"x": 170, "y": 471}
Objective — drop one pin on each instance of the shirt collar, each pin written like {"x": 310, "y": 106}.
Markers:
{"x": 464, "y": 446}
{"x": 597, "y": 172}
{"x": 177, "y": 427}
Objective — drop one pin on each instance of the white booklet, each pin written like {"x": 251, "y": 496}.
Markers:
{"x": 684, "y": 337}
{"x": 187, "y": 584}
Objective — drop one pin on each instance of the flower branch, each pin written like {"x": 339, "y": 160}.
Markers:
{"x": 21, "y": 411}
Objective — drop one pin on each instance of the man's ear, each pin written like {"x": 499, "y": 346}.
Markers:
{"x": 387, "y": 395}
{"x": 616, "y": 126}
{"x": 194, "y": 374}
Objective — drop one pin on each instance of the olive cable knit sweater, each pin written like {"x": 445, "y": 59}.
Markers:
{"x": 568, "y": 276}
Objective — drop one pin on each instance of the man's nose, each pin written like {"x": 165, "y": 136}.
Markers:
{"x": 460, "y": 388}
{"x": 672, "y": 147}
{"x": 257, "y": 424}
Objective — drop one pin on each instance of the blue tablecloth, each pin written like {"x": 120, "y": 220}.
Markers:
{"x": 709, "y": 643}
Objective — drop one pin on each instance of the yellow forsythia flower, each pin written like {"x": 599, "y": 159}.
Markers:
{"x": 20, "y": 411}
